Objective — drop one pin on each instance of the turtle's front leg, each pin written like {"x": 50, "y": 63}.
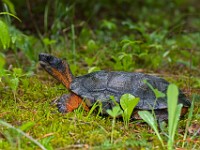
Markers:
{"x": 67, "y": 103}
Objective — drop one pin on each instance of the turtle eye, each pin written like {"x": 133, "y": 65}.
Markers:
{"x": 50, "y": 59}
{"x": 54, "y": 62}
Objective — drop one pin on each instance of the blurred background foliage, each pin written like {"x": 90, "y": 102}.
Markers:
{"x": 143, "y": 35}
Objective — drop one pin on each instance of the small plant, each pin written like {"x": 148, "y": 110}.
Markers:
{"x": 174, "y": 111}
{"x": 13, "y": 78}
{"x": 5, "y": 38}
{"x": 114, "y": 112}
{"x": 98, "y": 104}
{"x": 128, "y": 103}
{"x": 158, "y": 94}
{"x": 123, "y": 61}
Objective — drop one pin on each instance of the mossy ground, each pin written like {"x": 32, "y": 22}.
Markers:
{"x": 33, "y": 111}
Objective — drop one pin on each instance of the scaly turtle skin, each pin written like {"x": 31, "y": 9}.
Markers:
{"x": 87, "y": 89}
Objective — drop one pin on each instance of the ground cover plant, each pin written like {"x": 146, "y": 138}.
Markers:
{"x": 155, "y": 37}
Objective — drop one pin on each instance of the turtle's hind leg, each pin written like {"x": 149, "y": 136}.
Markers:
{"x": 67, "y": 103}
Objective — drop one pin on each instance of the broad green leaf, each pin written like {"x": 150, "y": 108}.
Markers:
{"x": 110, "y": 112}
{"x": 148, "y": 118}
{"x": 172, "y": 98}
{"x": 128, "y": 102}
{"x": 116, "y": 111}
{"x": 4, "y": 35}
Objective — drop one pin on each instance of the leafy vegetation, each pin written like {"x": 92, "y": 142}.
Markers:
{"x": 156, "y": 37}
{"x": 174, "y": 111}
{"x": 128, "y": 103}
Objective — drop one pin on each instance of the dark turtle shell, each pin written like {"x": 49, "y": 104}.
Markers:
{"x": 101, "y": 85}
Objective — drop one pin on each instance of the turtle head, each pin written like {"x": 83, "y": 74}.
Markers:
{"x": 49, "y": 62}
{"x": 56, "y": 67}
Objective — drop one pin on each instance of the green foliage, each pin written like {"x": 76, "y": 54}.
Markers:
{"x": 95, "y": 106}
{"x": 27, "y": 126}
{"x": 174, "y": 112}
{"x": 2, "y": 62}
{"x": 128, "y": 103}
{"x": 149, "y": 118}
{"x": 46, "y": 142}
{"x": 47, "y": 41}
{"x": 5, "y": 36}
{"x": 91, "y": 45}
{"x": 114, "y": 112}
{"x": 10, "y": 6}
{"x": 108, "y": 25}
{"x": 158, "y": 94}
{"x": 13, "y": 81}
{"x": 12, "y": 78}
{"x": 123, "y": 61}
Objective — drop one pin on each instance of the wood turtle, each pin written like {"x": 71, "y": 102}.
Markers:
{"x": 101, "y": 85}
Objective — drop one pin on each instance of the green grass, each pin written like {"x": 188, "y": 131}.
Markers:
{"x": 76, "y": 129}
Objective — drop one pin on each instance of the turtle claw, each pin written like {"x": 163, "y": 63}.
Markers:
{"x": 61, "y": 104}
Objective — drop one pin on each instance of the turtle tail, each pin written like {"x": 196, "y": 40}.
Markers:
{"x": 56, "y": 67}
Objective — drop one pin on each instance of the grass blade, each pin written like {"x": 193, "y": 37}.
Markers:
{"x": 22, "y": 133}
{"x": 188, "y": 121}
